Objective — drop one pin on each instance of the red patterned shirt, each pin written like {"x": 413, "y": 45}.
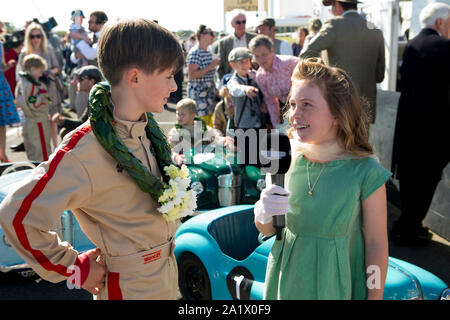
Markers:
{"x": 276, "y": 83}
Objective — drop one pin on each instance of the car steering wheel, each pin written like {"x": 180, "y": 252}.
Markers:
{"x": 262, "y": 238}
{"x": 18, "y": 166}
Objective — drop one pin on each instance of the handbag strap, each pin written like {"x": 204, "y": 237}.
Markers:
{"x": 242, "y": 111}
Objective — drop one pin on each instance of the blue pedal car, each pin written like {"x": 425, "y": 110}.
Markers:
{"x": 221, "y": 255}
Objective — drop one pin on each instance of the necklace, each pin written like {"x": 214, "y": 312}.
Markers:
{"x": 310, "y": 192}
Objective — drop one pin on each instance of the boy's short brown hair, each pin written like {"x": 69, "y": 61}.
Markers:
{"x": 34, "y": 61}
{"x": 137, "y": 43}
{"x": 188, "y": 105}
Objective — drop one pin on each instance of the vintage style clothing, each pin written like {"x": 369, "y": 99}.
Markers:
{"x": 422, "y": 116}
{"x": 202, "y": 90}
{"x": 321, "y": 254}
{"x": 352, "y": 43}
{"x": 226, "y": 45}
{"x": 118, "y": 217}
{"x": 34, "y": 102}
{"x": 276, "y": 84}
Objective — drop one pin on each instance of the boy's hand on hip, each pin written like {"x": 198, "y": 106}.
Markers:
{"x": 97, "y": 272}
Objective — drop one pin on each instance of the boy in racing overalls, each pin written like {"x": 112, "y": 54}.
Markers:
{"x": 33, "y": 99}
{"x": 190, "y": 131}
{"x": 100, "y": 172}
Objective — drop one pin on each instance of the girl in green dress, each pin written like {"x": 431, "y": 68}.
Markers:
{"x": 335, "y": 242}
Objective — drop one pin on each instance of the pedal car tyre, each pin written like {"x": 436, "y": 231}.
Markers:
{"x": 193, "y": 278}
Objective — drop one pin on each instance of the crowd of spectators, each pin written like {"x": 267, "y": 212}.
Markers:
{"x": 63, "y": 79}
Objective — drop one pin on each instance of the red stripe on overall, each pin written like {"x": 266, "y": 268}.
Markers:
{"x": 114, "y": 292}
{"x": 28, "y": 201}
{"x": 42, "y": 139}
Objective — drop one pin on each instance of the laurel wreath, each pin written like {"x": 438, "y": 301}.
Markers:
{"x": 102, "y": 118}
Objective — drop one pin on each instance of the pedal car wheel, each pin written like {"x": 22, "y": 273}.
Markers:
{"x": 194, "y": 281}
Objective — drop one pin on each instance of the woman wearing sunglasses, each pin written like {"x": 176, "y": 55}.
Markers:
{"x": 36, "y": 42}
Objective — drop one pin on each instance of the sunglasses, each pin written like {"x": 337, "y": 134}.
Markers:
{"x": 37, "y": 36}
{"x": 238, "y": 22}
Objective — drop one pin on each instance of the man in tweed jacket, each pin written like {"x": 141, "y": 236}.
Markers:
{"x": 240, "y": 38}
{"x": 355, "y": 45}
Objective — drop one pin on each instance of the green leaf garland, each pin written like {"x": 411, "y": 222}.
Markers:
{"x": 102, "y": 118}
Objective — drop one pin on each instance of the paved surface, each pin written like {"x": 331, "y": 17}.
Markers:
{"x": 434, "y": 258}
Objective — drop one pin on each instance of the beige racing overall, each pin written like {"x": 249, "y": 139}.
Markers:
{"x": 135, "y": 240}
{"x": 34, "y": 102}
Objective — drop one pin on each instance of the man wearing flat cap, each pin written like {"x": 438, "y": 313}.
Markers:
{"x": 267, "y": 27}
{"x": 87, "y": 76}
{"x": 355, "y": 45}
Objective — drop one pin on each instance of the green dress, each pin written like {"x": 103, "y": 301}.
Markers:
{"x": 321, "y": 254}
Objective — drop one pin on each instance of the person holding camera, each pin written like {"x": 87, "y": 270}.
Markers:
{"x": 36, "y": 42}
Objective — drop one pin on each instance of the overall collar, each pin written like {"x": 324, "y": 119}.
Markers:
{"x": 130, "y": 129}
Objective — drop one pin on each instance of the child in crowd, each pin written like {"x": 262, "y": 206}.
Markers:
{"x": 336, "y": 232}
{"x": 78, "y": 33}
{"x": 247, "y": 103}
{"x": 247, "y": 99}
{"x": 33, "y": 98}
{"x": 190, "y": 131}
{"x": 110, "y": 173}
{"x": 87, "y": 77}
{"x": 224, "y": 112}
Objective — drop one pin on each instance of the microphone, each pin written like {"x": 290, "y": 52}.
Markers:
{"x": 275, "y": 157}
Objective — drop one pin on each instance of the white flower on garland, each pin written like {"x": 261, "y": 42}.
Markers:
{"x": 177, "y": 201}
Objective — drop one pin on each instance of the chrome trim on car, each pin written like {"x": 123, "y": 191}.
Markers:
{"x": 197, "y": 186}
{"x": 5, "y": 241}
{"x": 413, "y": 279}
{"x": 15, "y": 267}
{"x": 445, "y": 295}
{"x": 260, "y": 184}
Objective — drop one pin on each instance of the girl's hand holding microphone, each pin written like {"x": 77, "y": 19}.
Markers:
{"x": 274, "y": 201}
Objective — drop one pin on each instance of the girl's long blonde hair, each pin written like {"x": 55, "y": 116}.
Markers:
{"x": 28, "y": 47}
{"x": 343, "y": 101}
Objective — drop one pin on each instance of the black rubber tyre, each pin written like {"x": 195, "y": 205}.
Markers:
{"x": 193, "y": 278}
